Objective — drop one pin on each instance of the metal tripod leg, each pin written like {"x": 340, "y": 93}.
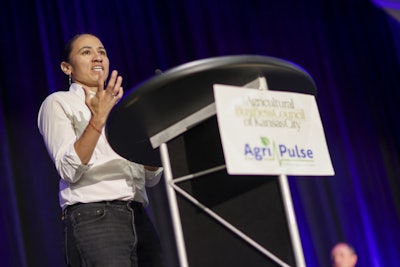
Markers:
{"x": 292, "y": 223}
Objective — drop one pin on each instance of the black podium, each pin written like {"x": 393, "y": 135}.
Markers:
{"x": 170, "y": 120}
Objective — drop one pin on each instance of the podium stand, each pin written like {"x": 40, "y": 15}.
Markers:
{"x": 218, "y": 219}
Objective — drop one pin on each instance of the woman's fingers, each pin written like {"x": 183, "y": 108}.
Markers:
{"x": 101, "y": 81}
{"x": 111, "y": 82}
{"x": 117, "y": 87}
{"x": 119, "y": 95}
{"x": 114, "y": 84}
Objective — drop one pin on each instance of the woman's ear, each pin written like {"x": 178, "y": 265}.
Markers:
{"x": 66, "y": 68}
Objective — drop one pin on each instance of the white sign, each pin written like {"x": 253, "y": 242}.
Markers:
{"x": 271, "y": 132}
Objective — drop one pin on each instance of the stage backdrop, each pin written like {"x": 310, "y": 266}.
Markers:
{"x": 350, "y": 47}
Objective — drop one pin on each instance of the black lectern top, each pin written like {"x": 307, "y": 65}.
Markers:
{"x": 169, "y": 97}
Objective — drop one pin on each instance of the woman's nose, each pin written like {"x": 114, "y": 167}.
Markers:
{"x": 97, "y": 57}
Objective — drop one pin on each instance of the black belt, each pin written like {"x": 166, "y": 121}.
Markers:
{"x": 130, "y": 203}
{"x": 135, "y": 205}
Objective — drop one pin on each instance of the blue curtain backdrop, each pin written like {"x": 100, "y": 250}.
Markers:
{"x": 350, "y": 47}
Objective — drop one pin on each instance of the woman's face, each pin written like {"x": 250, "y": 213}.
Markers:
{"x": 88, "y": 59}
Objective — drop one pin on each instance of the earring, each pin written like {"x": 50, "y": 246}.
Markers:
{"x": 69, "y": 79}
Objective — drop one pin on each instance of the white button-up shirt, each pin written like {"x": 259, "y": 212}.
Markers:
{"x": 62, "y": 118}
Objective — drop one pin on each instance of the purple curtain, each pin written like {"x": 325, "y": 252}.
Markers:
{"x": 350, "y": 47}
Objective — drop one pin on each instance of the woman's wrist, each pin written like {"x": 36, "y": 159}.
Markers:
{"x": 94, "y": 127}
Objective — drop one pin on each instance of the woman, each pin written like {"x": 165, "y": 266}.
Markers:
{"x": 102, "y": 195}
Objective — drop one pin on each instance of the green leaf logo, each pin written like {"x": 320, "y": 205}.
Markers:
{"x": 265, "y": 141}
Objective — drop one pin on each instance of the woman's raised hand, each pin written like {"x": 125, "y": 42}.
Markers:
{"x": 104, "y": 100}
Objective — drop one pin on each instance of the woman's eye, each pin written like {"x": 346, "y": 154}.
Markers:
{"x": 102, "y": 52}
{"x": 86, "y": 52}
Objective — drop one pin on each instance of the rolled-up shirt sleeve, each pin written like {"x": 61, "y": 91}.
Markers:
{"x": 56, "y": 124}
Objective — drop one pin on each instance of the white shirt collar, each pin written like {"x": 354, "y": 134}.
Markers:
{"x": 77, "y": 89}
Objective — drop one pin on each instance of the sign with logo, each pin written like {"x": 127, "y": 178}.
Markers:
{"x": 271, "y": 132}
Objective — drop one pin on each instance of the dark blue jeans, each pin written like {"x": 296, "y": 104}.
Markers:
{"x": 110, "y": 233}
